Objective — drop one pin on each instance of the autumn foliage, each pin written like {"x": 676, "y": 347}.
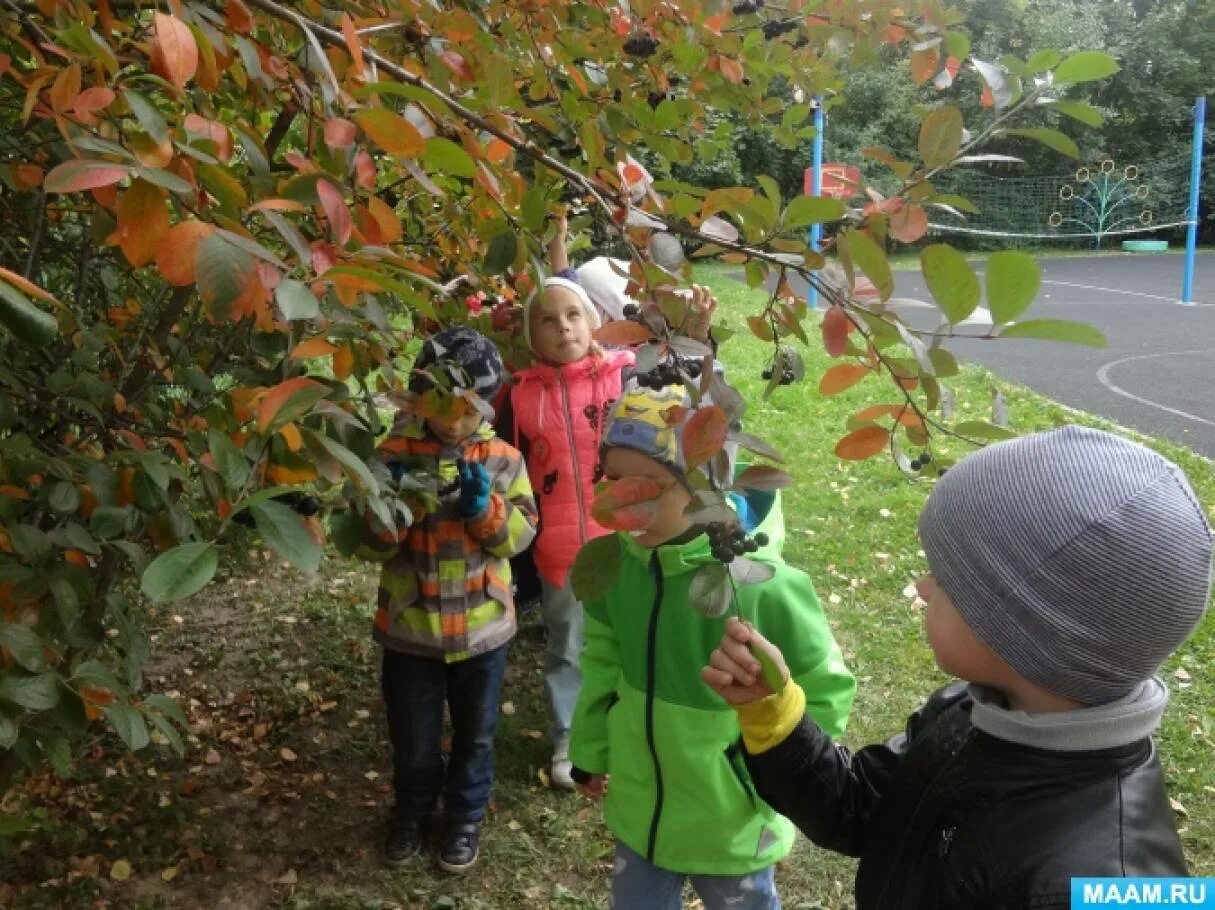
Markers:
{"x": 225, "y": 219}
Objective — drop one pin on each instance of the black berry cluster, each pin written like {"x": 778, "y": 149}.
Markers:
{"x": 774, "y": 28}
{"x": 748, "y": 6}
{"x": 787, "y": 377}
{"x": 922, "y": 462}
{"x": 642, "y": 45}
{"x": 669, "y": 372}
{"x": 729, "y": 541}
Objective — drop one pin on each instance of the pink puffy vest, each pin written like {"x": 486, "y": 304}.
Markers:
{"x": 561, "y": 411}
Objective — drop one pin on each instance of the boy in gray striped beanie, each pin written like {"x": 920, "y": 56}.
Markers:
{"x": 1066, "y": 567}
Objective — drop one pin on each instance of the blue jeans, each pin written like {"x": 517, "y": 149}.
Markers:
{"x": 415, "y": 689}
{"x": 640, "y": 885}
{"x": 562, "y": 615}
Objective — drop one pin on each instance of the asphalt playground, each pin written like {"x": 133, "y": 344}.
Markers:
{"x": 1158, "y": 373}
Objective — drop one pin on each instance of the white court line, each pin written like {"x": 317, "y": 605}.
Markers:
{"x": 1103, "y": 378}
{"x": 1091, "y": 287}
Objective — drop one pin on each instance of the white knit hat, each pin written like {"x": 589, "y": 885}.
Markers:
{"x": 605, "y": 285}
{"x": 592, "y": 315}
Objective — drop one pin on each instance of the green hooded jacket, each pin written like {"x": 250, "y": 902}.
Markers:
{"x": 679, "y": 792}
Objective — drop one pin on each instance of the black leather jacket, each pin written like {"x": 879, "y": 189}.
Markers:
{"x": 946, "y": 817}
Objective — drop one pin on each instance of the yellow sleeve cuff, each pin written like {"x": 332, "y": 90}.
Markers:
{"x": 767, "y": 722}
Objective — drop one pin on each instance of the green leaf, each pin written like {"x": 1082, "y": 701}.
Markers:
{"x": 710, "y": 593}
{"x": 346, "y": 531}
{"x": 295, "y": 300}
{"x": 108, "y": 522}
{"x": 147, "y": 114}
{"x": 957, "y": 45}
{"x": 940, "y": 136}
{"x": 9, "y": 731}
{"x": 1043, "y": 60}
{"x": 1012, "y": 279}
{"x": 27, "y": 322}
{"x": 446, "y": 157}
{"x": 1078, "y": 110}
{"x": 168, "y": 707}
{"x": 872, "y": 260}
{"x": 29, "y": 543}
{"x": 981, "y": 429}
{"x": 502, "y": 251}
{"x": 952, "y": 281}
{"x": 1052, "y": 139}
{"x": 36, "y": 693}
{"x": 805, "y": 210}
{"x": 1057, "y": 330}
{"x": 224, "y": 272}
{"x": 355, "y": 467}
{"x": 1085, "y": 66}
{"x": 24, "y": 644}
{"x": 596, "y": 567}
{"x": 284, "y": 530}
{"x": 63, "y": 497}
{"x": 95, "y": 673}
{"x": 180, "y": 572}
{"x": 169, "y": 732}
{"x": 231, "y": 463}
{"x": 128, "y": 723}
{"x": 166, "y": 179}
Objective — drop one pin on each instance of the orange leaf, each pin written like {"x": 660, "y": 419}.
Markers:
{"x": 715, "y": 22}
{"x": 842, "y": 376}
{"x": 391, "y": 132}
{"x": 863, "y": 443}
{"x": 313, "y": 347}
{"x": 924, "y": 64}
{"x": 75, "y": 175}
{"x": 177, "y": 255}
{"x": 29, "y": 176}
{"x": 174, "y": 55}
{"x": 278, "y": 205}
{"x": 214, "y": 131}
{"x": 339, "y": 133}
{"x": 280, "y": 475}
{"x": 292, "y": 396}
{"x": 24, "y": 284}
{"x": 498, "y": 151}
{"x": 836, "y": 326}
{"x": 95, "y": 695}
{"x": 760, "y": 327}
{"x": 364, "y": 170}
{"x": 909, "y": 223}
{"x": 291, "y": 435}
{"x": 143, "y": 222}
{"x": 987, "y": 99}
{"x": 731, "y": 69}
{"x": 627, "y": 504}
{"x": 353, "y": 44}
{"x": 223, "y": 508}
{"x": 238, "y": 17}
{"x": 65, "y": 89}
{"x": 704, "y": 435}
{"x": 90, "y": 101}
{"x": 762, "y": 477}
{"x": 622, "y": 332}
{"x": 334, "y": 205}
{"x": 343, "y": 362}
{"x": 386, "y": 218}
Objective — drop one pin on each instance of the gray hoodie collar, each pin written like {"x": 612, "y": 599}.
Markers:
{"x": 1107, "y": 726}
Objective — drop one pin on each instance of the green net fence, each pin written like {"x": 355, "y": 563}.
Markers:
{"x": 1091, "y": 206}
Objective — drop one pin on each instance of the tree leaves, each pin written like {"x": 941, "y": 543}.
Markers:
{"x": 1057, "y": 330}
{"x": 391, "y": 132}
{"x": 36, "y": 693}
{"x": 284, "y": 530}
{"x": 950, "y": 279}
{"x": 596, "y": 567}
{"x": 842, "y": 376}
{"x": 1012, "y": 279}
{"x": 174, "y": 52}
{"x": 143, "y": 222}
{"x": 180, "y": 572}
{"x": 806, "y": 210}
{"x": 940, "y": 136}
{"x": 288, "y": 401}
{"x": 627, "y": 504}
{"x": 710, "y": 593}
{"x": 835, "y": 328}
{"x": 76, "y": 175}
{"x": 762, "y": 477}
{"x": 863, "y": 443}
{"x": 1052, "y": 139}
{"x": 23, "y": 319}
{"x": 704, "y": 435}
{"x": 224, "y": 273}
{"x": 622, "y": 332}
{"x": 1085, "y": 66}
{"x": 869, "y": 256}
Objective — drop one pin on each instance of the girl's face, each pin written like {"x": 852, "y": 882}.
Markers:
{"x": 560, "y": 331}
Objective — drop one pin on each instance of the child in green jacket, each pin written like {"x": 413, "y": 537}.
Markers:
{"x": 681, "y": 803}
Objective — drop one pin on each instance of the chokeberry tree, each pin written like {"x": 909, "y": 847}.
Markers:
{"x": 224, "y": 219}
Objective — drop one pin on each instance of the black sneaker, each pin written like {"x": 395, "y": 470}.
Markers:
{"x": 406, "y": 837}
{"x": 459, "y": 847}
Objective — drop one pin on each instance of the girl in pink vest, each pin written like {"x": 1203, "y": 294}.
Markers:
{"x": 559, "y": 406}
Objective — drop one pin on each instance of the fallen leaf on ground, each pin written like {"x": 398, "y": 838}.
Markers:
{"x": 120, "y": 871}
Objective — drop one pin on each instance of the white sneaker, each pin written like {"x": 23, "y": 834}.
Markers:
{"x": 560, "y": 769}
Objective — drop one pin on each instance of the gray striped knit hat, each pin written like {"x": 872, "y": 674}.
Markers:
{"x": 1082, "y": 559}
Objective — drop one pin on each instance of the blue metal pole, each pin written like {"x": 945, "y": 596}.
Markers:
{"x": 1191, "y": 231}
{"x": 816, "y": 185}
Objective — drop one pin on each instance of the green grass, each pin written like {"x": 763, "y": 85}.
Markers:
{"x": 268, "y": 659}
